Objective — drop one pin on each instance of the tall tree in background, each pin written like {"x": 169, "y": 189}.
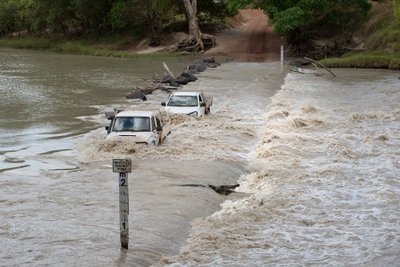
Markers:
{"x": 91, "y": 16}
{"x": 8, "y": 17}
{"x": 141, "y": 15}
{"x": 53, "y": 16}
{"x": 191, "y": 16}
{"x": 197, "y": 41}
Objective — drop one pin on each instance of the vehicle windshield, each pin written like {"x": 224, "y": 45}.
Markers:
{"x": 132, "y": 124}
{"x": 183, "y": 101}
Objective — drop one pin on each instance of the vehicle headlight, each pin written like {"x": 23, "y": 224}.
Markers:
{"x": 194, "y": 113}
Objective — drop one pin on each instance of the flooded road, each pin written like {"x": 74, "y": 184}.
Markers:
{"x": 58, "y": 194}
{"x": 317, "y": 159}
{"x": 324, "y": 184}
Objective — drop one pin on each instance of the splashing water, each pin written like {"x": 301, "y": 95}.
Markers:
{"x": 325, "y": 186}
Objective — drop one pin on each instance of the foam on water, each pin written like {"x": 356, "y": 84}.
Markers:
{"x": 61, "y": 200}
{"x": 229, "y": 132}
{"x": 325, "y": 186}
{"x": 321, "y": 187}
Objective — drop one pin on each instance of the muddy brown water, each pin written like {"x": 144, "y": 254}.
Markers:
{"x": 58, "y": 194}
{"x": 317, "y": 161}
{"x": 324, "y": 190}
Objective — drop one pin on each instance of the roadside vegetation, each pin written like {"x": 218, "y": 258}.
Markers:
{"x": 102, "y": 27}
{"x": 377, "y": 44}
{"x": 315, "y": 28}
{"x": 91, "y": 47}
{"x": 357, "y": 33}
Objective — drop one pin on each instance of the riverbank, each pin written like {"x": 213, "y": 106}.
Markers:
{"x": 232, "y": 45}
{"x": 371, "y": 60}
{"x": 227, "y": 50}
{"x": 248, "y": 38}
{"x": 93, "y": 47}
{"x": 375, "y": 45}
{"x": 324, "y": 188}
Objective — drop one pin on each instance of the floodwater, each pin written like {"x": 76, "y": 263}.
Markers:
{"x": 317, "y": 159}
{"x": 58, "y": 194}
{"x": 324, "y": 186}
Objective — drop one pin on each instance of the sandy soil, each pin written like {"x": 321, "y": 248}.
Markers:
{"x": 251, "y": 40}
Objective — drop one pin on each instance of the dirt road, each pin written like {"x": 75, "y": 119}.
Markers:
{"x": 252, "y": 40}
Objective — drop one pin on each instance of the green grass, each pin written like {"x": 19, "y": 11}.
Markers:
{"x": 104, "y": 47}
{"x": 388, "y": 37}
{"x": 374, "y": 59}
{"x": 381, "y": 34}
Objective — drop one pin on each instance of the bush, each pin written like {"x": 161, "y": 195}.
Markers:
{"x": 8, "y": 17}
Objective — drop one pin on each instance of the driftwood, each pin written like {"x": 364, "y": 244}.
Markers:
{"x": 318, "y": 68}
{"x": 321, "y": 65}
{"x": 166, "y": 67}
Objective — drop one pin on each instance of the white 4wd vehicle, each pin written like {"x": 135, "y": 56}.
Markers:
{"x": 142, "y": 127}
{"x": 191, "y": 103}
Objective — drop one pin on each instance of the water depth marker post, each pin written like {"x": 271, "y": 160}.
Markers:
{"x": 282, "y": 52}
{"x": 123, "y": 167}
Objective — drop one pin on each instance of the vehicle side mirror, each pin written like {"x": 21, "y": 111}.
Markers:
{"x": 163, "y": 104}
{"x": 202, "y": 104}
{"x": 159, "y": 128}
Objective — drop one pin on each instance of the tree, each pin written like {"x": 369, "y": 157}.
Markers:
{"x": 54, "y": 16}
{"x": 191, "y": 15}
{"x": 197, "y": 41}
{"x": 303, "y": 22}
{"x": 141, "y": 15}
{"x": 71, "y": 17}
{"x": 14, "y": 16}
{"x": 8, "y": 17}
{"x": 91, "y": 16}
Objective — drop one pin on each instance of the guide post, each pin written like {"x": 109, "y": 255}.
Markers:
{"x": 123, "y": 167}
{"x": 282, "y": 52}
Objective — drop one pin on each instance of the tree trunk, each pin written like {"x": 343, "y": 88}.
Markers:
{"x": 197, "y": 41}
{"x": 194, "y": 30}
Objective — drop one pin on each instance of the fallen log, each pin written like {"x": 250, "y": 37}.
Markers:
{"x": 167, "y": 69}
{"x": 320, "y": 64}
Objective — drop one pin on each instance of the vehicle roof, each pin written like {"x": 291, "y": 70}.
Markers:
{"x": 136, "y": 113}
{"x": 192, "y": 93}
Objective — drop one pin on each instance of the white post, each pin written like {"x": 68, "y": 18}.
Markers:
{"x": 123, "y": 167}
{"x": 282, "y": 52}
{"x": 124, "y": 209}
